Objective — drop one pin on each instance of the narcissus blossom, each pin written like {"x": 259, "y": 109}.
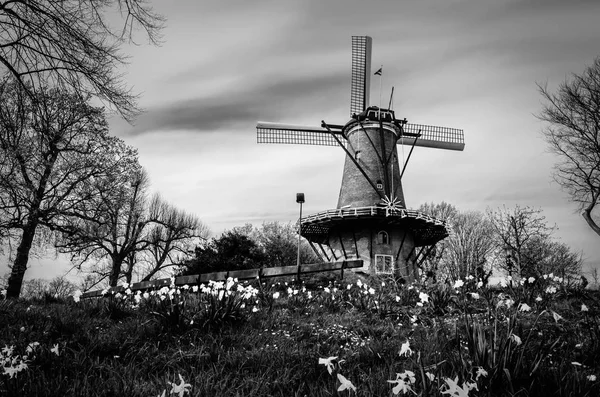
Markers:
{"x": 345, "y": 383}
{"x": 180, "y": 388}
{"x": 328, "y": 362}
{"x": 405, "y": 349}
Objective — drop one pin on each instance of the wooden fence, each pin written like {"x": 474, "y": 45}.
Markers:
{"x": 249, "y": 274}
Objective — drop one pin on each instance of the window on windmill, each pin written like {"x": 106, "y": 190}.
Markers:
{"x": 383, "y": 238}
{"x": 379, "y": 185}
{"x": 357, "y": 154}
{"x": 384, "y": 264}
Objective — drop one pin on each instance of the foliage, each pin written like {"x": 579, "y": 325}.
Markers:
{"x": 231, "y": 251}
{"x": 73, "y": 44}
{"x": 573, "y": 134}
{"x": 273, "y": 244}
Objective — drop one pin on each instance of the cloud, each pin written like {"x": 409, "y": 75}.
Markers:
{"x": 273, "y": 98}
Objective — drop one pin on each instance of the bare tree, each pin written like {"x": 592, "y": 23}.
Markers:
{"x": 52, "y": 147}
{"x": 34, "y": 288}
{"x": 128, "y": 232}
{"x": 436, "y": 263}
{"x": 172, "y": 237}
{"x": 115, "y": 225}
{"x": 60, "y": 287}
{"x": 573, "y": 114}
{"x": 72, "y": 43}
{"x": 469, "y": 246}
{"x": 516, "y": 231}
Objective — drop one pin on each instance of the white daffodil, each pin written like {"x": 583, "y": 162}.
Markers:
{"x": 458, "y": 283}
{"x": 405, "y": 349}
{"x": 454, "y": 389}
{"x": 55, "y": 350}
{"x": 345, "y": 383}
{"x": 480, "y": 372}
{"x": 524, "y": 307}
{"x": 516, "y": 339}
{"x": 423, "y": 297}
{"x": 328, "y": 362}
{"x": 584, "y": 308}
{"x": 180, "y": 388}
{"x": 401, "y": 385}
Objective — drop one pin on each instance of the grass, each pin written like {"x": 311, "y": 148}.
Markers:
{"x": 246, "y": 342}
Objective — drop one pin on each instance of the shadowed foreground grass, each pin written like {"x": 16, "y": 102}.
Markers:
{"x": 268, "y": 341}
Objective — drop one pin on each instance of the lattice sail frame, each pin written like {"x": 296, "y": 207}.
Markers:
{"x": 360, "y": 86}
{"x": 431, "y": 136}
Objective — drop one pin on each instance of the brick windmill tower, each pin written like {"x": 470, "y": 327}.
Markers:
{"x": 371, "y": 221}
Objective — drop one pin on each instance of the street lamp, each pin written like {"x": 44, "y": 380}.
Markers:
{"x": 300, "y": 200}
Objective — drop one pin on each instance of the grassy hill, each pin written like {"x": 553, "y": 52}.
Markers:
{"x": 365, "y": 337}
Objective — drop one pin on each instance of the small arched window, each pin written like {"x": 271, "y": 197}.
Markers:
{"x": 379, "y": 185}
{"x": 383, "y": 238}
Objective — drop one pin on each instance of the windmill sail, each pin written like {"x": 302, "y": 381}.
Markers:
{"x": 296, "y": 134}
{"x": 360, "y": 87}
{"x": 433, "y": 137}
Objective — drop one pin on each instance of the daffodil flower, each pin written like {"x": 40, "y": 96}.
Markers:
{"x": 405, "y": 349}
{"x": 345, "y": 383}
{"x": 516, "y": 339}
{"x": 401, "y": 385}
{"x": 55, "y": 349}
{"x": 481, "y": 372}
{"x": 454, "y": 389}
{"x": 584, "y": 308}
{"x": 524, "y": 307}
{"x": 328, "y": 363}
{"x": 180, "y": 388}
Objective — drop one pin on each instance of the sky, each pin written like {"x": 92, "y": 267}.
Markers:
{"x": 469, "y": 64}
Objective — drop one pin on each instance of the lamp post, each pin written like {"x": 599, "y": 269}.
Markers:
{"x": 300, "y": 200}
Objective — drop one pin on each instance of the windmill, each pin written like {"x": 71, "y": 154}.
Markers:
{"x": 371, "y": 221}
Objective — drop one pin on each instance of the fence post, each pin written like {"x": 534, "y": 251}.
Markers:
{"x": 342, "y": 271}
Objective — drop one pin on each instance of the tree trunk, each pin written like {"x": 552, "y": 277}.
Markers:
{"x": 15, "y": 281}
{"x": 587, "y": 215}
{"x": 115, "y": 272}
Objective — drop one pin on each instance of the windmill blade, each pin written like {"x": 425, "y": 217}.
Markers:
{"x": 361, "y": 73}
{"x": 296, "y": 134}
{"x": 433, "y": 137}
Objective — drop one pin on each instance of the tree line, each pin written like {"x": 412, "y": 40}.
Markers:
{"x": 516, "y": 241}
